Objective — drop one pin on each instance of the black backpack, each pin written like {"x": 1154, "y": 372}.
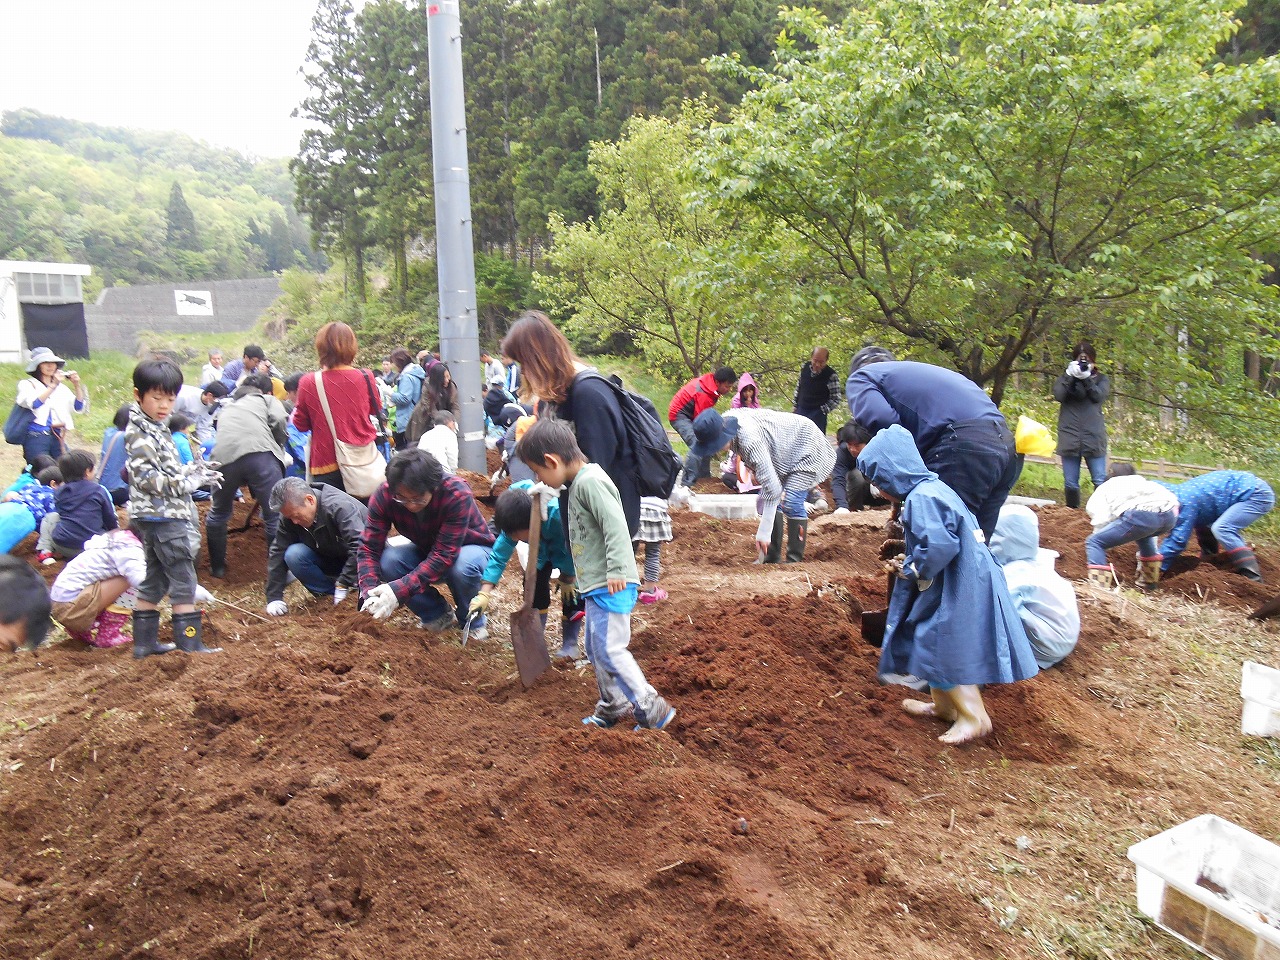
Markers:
{"x": 657, "y": 464}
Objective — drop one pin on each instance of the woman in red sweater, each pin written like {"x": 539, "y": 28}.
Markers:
{"x": 352, "y": 401}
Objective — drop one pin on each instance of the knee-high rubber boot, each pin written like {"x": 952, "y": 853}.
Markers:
{"x": 216, "y": 537}
{"x": 1245, "y": 563}
{"x": 1103, "y": 577}
{"x": 146, "y": 633}
{"x": 774, "y": 554}
{"x": 1073, "y": 498}
{"x": 797, "y": 531}
{"x": 1149, "y": 573}
{"x": 188, "y": 632}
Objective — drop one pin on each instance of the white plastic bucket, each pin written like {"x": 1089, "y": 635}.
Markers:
{"x": 1260, "y": 688}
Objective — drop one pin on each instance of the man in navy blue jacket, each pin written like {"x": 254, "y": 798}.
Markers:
{"x": 961, "y": 435}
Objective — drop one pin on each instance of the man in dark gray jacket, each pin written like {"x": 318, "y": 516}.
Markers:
{"x": 320, "y": 528}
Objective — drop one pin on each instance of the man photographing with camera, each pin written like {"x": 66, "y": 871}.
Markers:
{"x": 1082, "y": 433}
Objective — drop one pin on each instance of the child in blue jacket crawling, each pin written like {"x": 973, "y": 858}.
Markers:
{"x": 951, "y": 620}
{"x": 511, "y": 517}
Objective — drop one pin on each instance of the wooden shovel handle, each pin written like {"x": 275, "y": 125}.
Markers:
{"x": 535, "y": 539}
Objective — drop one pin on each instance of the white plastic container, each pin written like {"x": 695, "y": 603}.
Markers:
{"x": 724, "y": 506}
{"x": 1213, "y": 885}
{"x": 1260, "y": 687}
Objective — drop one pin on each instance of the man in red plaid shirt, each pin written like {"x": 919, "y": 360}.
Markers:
{"x": 450, "y": 544}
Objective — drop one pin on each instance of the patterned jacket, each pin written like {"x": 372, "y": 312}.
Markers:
{"x": 160, "y": 485}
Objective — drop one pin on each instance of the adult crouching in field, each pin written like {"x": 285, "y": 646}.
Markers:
{"x": 353, "y": 403}
{"x": 1082, "y": 433}
{"x": 318, "y": 541}
{"x": 951, "y": 620}
{"x": 552, "y": 374}
{"x": 851, "y": 489}
{"x": 250, "y": 448}
{"x": 1216, "y": 507}
{"x": 45, "y": 393}
{"x": 690, "y": 402}
{"x": 449, "y": 543}
{"x": 788, "y": 455}
{"x": 960, "y": 434}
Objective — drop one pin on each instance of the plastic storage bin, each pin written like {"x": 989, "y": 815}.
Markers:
{"x": 725, "y": 506}
{"x": 1260, "y": 688}
{"x": 1214, "y": 885}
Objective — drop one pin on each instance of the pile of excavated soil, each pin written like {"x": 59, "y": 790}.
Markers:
{"x": 332, "y": 786}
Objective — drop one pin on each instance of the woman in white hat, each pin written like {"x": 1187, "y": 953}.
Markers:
{"x": 46, "y": 395}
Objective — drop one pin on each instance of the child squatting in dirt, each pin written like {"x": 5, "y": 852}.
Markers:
{"x": 606, "y": 571}
{"x": 951, "y": 620}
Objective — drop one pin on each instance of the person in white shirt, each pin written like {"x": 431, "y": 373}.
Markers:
{"x": 212, "y": 370}
{"x": 441, "y": 441}
{"x": 1128, "y": 508}
{"x": 45, "y": 393}
{"x": 493, "y": 368}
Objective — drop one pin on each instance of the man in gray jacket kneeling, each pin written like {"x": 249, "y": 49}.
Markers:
{"x": 316, "y": 541}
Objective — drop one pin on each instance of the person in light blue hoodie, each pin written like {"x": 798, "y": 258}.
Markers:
{"x": 951, "y": 620}
{"x": 1046, "y": 602}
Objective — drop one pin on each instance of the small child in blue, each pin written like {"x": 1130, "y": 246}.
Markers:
{"x": 84, "y": 507}
{"x": 23, "y": 510}
{"x": 951, "y": 620}
{"x": 1217, "y": 506}
{"x": 606, "y": 571}
{"x": 511, "y": 517}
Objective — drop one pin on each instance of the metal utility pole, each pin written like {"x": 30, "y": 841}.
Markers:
{"x": 455, "y": 256}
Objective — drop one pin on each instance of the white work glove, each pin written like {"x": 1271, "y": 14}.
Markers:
{"x": 277, "y": 608}
{"x": 381, "y": 602}
{"x": 340, "y": 593}
{"x": 841, "y": 511}
{"x": 1080, "y": 373}
{"x": 203, "y": 595}
{"x": 548, "y": 494}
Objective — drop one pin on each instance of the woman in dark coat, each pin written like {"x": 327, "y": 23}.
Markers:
{"x": 1082, "y": 433}
{"x": 551, "y": 373}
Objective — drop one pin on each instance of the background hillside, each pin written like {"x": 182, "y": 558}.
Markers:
{"x": 106, "y": 196}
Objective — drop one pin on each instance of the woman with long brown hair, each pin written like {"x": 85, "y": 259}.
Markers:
{"x": 551, "y": 374}
{"x": 353, "y": 401}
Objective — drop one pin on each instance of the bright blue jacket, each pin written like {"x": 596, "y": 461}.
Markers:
{"x": 552, "y": 547}
{"x": 1201, "y": 501}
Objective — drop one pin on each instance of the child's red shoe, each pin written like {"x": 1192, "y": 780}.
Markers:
{"x": 46, "y": 559}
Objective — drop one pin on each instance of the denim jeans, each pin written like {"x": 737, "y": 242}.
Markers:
{"x": 693, "y": 466}
{"x": 463, "y": 579}
{"x": 1140, "y": 526}
{"x": 1071, "y": 472}
{"x": 1239, "y": 515}
{"x": 34, "y": 444}
{"x": 318, "y": 573}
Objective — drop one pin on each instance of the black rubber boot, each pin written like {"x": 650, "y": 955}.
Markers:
{"x": 1072, "y": 497}
{"x": 188, "y": 631}
{"x": 216, "y": 537}
{"x": 146, "y": 633}
{"x": 1208, "y": 542}
{"x": 774, "y": 554}
{"x": 797, "y": 531}
{"x": 1245, "y": 563}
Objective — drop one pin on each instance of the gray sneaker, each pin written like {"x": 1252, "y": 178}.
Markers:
{"x": 659, "y": 714}
{"x": 606, "y": 720}
{"x": 446, "y": 621}
{"x": 903, "y": 680}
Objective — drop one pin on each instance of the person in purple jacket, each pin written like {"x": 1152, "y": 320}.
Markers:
{"x": 450, "y": 542}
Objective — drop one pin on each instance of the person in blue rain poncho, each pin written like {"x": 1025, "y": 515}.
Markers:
{"x": 951, "y": 620}
{"x": 1217, "y": 506}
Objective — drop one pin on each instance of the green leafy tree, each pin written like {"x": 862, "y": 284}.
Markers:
{"x": 983, "y": 181}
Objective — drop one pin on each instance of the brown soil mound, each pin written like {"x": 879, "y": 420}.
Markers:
{"x": 332, "y": 786}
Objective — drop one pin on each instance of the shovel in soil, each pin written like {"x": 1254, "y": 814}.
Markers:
{"x": 873, "y": 621}
{"x": 527, "y": 637}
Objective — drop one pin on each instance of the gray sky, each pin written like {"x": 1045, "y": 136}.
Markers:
{"x": 223, "y": 71}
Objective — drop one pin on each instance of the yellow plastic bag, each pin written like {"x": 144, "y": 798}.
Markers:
{"x": 1033, "y": 438}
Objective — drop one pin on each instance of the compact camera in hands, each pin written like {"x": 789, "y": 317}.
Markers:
{"x": 1082, "y": 365}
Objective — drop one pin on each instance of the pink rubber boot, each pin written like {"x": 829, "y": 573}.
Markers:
{"x": 109, "y": 626}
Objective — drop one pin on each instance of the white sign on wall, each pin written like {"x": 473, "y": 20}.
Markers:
{"x": 193, "y": 303}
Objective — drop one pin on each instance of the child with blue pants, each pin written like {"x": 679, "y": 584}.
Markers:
{"x": 1217, "y": 506}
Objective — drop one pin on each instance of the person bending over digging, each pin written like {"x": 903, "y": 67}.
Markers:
{"x": 1217, "y": 506}
{"x": 951, "y": 620}
{"x": 606, "y": 570}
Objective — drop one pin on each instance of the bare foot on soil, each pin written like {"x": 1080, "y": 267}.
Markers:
{"x": 972, "y": 721}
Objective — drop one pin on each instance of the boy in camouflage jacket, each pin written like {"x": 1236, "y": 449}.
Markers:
{"x": 160, "y": 511}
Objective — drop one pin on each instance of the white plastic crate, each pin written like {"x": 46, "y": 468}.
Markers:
{"x": 1260, "y": 688}
{"x": 1214, "y": 885}
{"x": 724, "y": 506}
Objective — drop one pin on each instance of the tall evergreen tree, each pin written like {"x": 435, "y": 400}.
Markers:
{"x": 181, "y": 233}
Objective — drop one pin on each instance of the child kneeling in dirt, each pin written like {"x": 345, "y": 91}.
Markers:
{"x": 1127, "y": 508}
{"x": 1045, "y": 601}
{"x": 85, "y": 594}
{"x": 951, "y": 620}
{"x": 606, "y": 571}
{"x": 511, "y": 517}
